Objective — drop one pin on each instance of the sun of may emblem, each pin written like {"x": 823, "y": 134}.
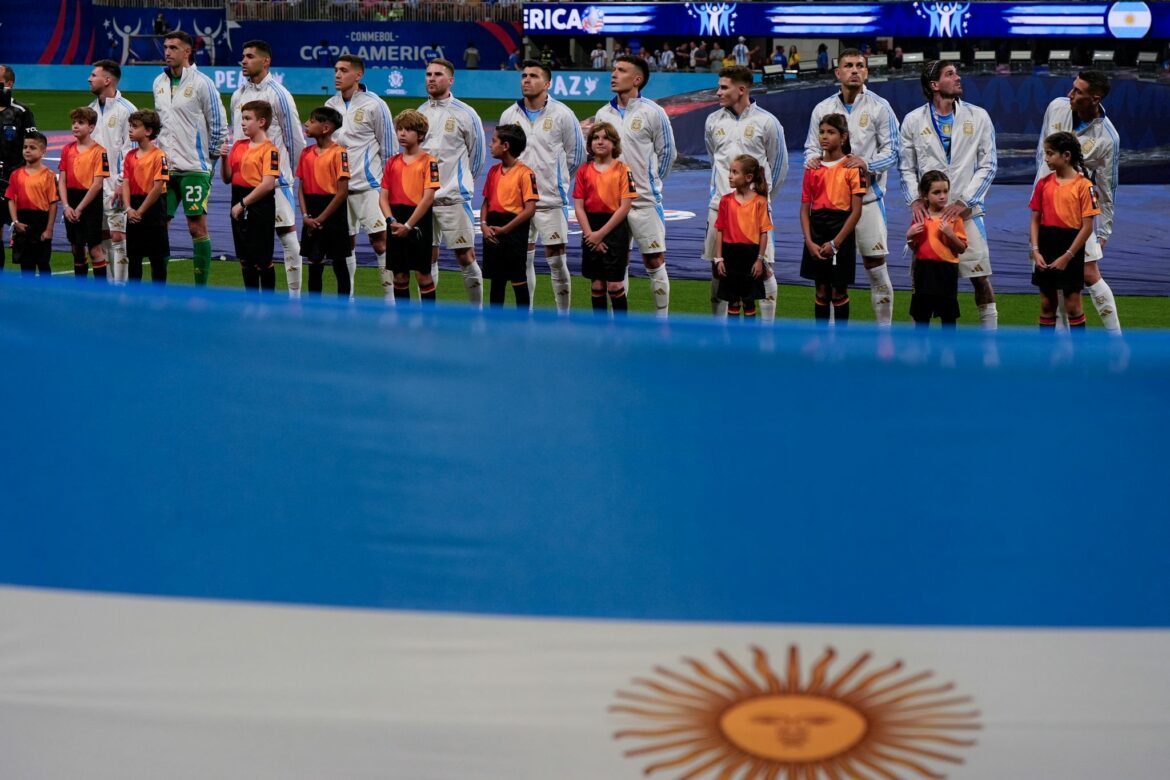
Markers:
{"x": 738, "y": 720}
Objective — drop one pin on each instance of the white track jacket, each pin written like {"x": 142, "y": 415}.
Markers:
{"x": 285, "y": 129}
{"x": 756, "y": 132}
{"x": 556, "y": 149}
{"x": 113, "y": 133}
{"x": 1101, "y": 146}
{"x": 973, "y": 162}
{"x": 194, "y": 122}
{"x": 367, "y": 135}
{"x": 455, "y": 137}
{"x": 873, "y": 136}
{"x": 647, "y": 145}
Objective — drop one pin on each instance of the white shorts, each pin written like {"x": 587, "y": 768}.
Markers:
{"x": 870, "y": 233}
{"x": 364, "y": 213}
{"x": 551, "y": 226}
{"x": 709, "y": 240}
{"x": 648, "y": 229}
{"x": 113, "y": 219}
{"x": 976, "y": 261}
{"x": 285, "y": 217}
{"x": 1093, "y": 251}
{"x": 454, "y": 225}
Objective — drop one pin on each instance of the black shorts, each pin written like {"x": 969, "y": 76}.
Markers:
{"x": 508, "y": 260}
{"x": 27, "y": 246}
{"x": 825, "y": 224}
{"x": 332, "y": 239}
{"x": 1054, "y": 242}
{"x": 739, "y": 284}
{"x": 254, "y": 230}
{"x": 87, "y": 229}
{"x": 610, "y": 265}
{"x": 148, "y": 237}
{"x": 412, "y": 253}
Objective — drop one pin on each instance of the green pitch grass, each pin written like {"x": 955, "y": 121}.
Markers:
{"x": 51, "y": 109}
{"x": 686, "y": 296}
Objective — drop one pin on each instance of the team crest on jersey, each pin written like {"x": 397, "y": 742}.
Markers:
{"x": 968, "y": 128}
{"x": 188, "y": 92}
{"x": 749, "y": 131}
{"x": 547, "y": 125}
{"x": 113, "y": 121}
{"x": 863, "y": 120}
{"x": 1087, "y": 145}
{"x": 359, "y": 115}
{"x": 449, "y": 125}
{"x": 636, "y": 124}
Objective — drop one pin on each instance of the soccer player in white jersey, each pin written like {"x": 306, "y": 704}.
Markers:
{"x": 113, "y": 133}
{"x": 286, "y": 133}
{"x": 1081, "y": 114}
{"x": 556, "y": 148}
{"x": 740, "y": 52}
{"x": 740, "y": 126}
{"x": 648, "y": 148}
{"x": 368, "y": 137}
{"x": 194, "y": 127}
{"x": 454, "y": 137}
{"x": 957, "y": 138}
{"x": 876, "y": 148}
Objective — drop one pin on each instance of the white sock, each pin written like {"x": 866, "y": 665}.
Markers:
{"x": 292, "y": 262}
{"x": 1061, "y": 314}
{"x": 530, "y": 272}
{"x": 473, "y": 283}
{"x": 768, "y": 304}
{"x": 351, "y": 265}
{"x": 106, "y": 245}
{"x": 718, "y": 307}
{"x": 881, "y": 294}
{"x": 660, "y": 288}
{"x": 1106, "y": 306}
{"x": 562, "y": 284}
{"x": 626, "y": 281}
{"x": 119, "y": 262}
{"x": 435, "y": 272}
{"x": 387, "y": 277}
{"x": 989, "y": 316}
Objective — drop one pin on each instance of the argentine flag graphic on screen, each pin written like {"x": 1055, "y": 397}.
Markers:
{"x": 1129, "y": 20}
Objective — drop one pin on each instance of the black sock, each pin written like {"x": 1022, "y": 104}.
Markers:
{"x": 158, "y": 270}
{"x": 598, "y": 301}
{"x": 620, "y": 302}
{"x": 821, "y": 309}
{"x": 521, "y": 292}
{"x": 99, "y": 271}
{"x": 316, "y": 276}
{"x": 268, "y": 278}
{"x": 841, "y": 309}
{"x": 427, "y": 294}
{"x": 497, "y": 292}
{"x": 81, "y": 270}
{"x": 749, "y": 309}
{"x": 134, "y": 271}
{"x": 251, "y": 276}
{"x": 341, "y": 271}
{"x": 404, "y": 292}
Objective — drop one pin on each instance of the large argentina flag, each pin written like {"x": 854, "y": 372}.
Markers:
{"x": 246, "y": 539}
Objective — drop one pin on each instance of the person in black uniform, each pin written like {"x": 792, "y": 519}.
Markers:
{"x": 16, "y": 122}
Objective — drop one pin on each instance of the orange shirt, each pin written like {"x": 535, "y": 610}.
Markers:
{"x": 930, "y": 245}
{"x": 143, "y": 169}
{"x": 742, "y": 223}
{"x": 32, "y": 191}
{"x": 511, "y": 190}
{"x": 250, "y": 164}
{"x": 832, "y": 186}
{"x": 82, "y": 166}
{"x": 319, "y": 171}
{"x": 1064, "y": 203}
{"x": 603, "y": 191}
{"x": 406, "y": 181}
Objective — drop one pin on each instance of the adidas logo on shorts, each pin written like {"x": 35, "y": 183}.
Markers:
{"x": 460, "y": 240}
{"x": 878, "y": 247}
{"x": 655, "y": 245}
{"x": 555, "y": 237}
